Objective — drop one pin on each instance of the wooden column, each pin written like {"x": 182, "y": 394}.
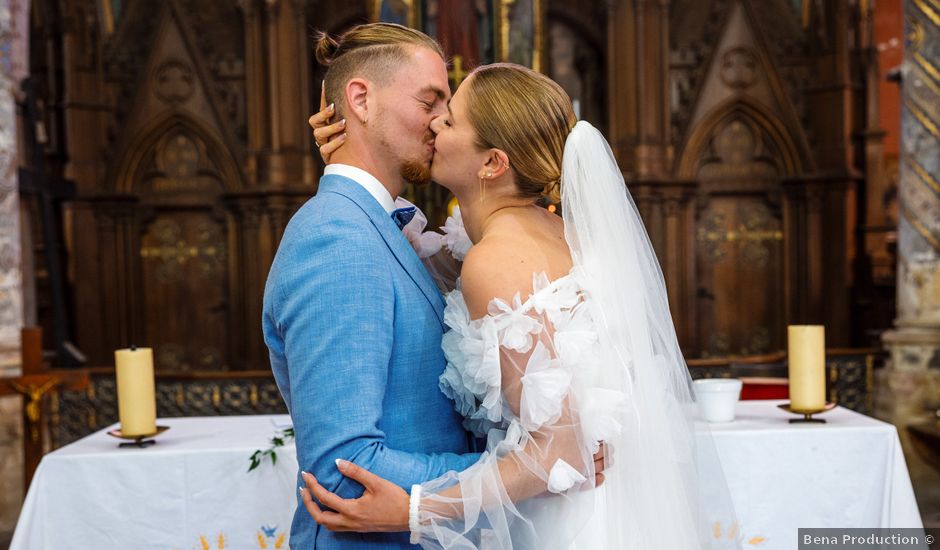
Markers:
{"x": 277, "y": 55}
{"x": 248, "y": 263}
{"x": 256, "y": 89}
{"x": 668, "y": 212}
{"x": 638, "y": 69}
{"x": 119, "y": 257}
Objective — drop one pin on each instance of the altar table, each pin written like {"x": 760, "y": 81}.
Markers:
{"x": 192, "y": 489}
{"x": 848, "y": 472}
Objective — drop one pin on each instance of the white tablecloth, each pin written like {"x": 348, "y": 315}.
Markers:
{"x": 194, "y": 483}
{"x": 849, "y": 472}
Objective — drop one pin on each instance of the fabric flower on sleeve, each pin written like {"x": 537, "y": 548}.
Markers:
{"x": 455, "y": 236}
{"x": 544, "y": 387}
{"x": 456, "y": 312}
{"x": 515, "y": 326}
{"x": 554, "y": 299}
{"x": 482, "y": 374}
{"x": 600, "y": 408}
{"x": 508, "y": 440}
{"x": 563, "y": 477}
{"x": 472, "y": 376}
{"x": 575, "y": 339}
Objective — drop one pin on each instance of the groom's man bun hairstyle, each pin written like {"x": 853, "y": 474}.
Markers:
{"x": 373, "y": 51}
{"x": 526, "y": 115}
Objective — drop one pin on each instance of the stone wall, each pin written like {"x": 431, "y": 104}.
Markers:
{"x": 911, "y": 386}
{"x": 14, "y": 17}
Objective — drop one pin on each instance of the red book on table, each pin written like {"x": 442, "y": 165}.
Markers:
{"x": 765, "y": 388}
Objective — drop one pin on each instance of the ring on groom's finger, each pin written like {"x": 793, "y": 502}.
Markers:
{"x": 318, "y": 143}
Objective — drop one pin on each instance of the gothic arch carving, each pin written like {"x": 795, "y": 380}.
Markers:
{"x": 176, "y": 152}
{"x": 776, "y": 138}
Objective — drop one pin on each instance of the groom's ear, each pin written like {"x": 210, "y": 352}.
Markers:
{"x": 357, "y": 99}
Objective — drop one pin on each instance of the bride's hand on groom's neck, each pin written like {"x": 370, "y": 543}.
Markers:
{"x": 328, "y": 136}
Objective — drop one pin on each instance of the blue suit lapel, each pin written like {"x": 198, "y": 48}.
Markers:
{"x": 390, "y": 233}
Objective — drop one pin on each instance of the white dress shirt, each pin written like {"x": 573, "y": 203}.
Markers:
{"x": 366, "y": 180}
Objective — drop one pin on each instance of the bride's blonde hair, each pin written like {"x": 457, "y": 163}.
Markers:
{"x": 528, "y": 116}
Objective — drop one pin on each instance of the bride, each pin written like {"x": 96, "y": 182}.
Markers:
{"x": 561, "y": 339}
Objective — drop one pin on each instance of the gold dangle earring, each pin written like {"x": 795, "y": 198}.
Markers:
{"x": 483, "y": 187}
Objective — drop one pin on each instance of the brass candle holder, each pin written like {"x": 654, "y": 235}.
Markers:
{"x": 139, "y": 441}
{"x": 807, "y": 414}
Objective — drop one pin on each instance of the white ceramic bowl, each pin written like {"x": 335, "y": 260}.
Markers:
{"x": 717, "y": 397}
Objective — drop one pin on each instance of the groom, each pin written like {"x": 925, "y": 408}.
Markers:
{"x": 352, "y": 320}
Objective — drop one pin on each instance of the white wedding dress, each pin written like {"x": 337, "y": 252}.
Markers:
{"x": 587, "y": 358}
{"x": 553, "y": 330}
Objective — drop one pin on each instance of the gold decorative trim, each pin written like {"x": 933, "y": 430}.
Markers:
{"x": 503, "y": 23}
{"x": 107, "y": 16}
{"x": 934, "y": 86}
{"x": 928, "y": 11}
{"x": 412, "y": 18}
{"x": 935, "y": 4}
{"x": 503, "y": 27}
{"x": 922, "y": 117}
{"x": 924, "y": 175}
{"x": 537, "y": 18}
{"x": 375, "y": 10}
{"x": 920, "y": 227}
{"x": 927, "y": 66}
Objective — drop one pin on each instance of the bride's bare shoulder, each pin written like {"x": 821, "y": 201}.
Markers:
{"x": 498, "y": 267}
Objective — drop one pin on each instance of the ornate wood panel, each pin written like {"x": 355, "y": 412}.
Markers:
{"x": 740, "y": 302}
{"x": 184, "y": 284}
{"x": 184, "y": 129}
{"x": 740, "y": 293}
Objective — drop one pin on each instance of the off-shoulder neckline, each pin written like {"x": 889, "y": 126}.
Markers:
{"x": 523, "y": 305}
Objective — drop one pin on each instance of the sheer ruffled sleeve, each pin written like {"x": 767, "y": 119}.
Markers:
{"x": 521, "y": 376}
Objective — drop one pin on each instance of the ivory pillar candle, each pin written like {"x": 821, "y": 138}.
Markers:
{"x": 806, "y": 359}
{"x": 137, "y": 404}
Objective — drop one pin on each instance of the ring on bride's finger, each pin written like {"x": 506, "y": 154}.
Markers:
{"x": 317, "y": 143}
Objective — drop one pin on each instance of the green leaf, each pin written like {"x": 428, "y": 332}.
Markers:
{"x": 279, "y": 440}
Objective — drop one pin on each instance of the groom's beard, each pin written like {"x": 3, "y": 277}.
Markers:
{"x": 415, "y": 172}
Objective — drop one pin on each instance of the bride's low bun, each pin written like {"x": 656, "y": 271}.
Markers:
{"x": 552, "y": 191}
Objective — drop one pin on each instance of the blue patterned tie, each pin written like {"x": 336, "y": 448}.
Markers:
{"x": 401, "y": 216}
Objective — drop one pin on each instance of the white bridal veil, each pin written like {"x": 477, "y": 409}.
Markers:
{"x": 667, "y": 489}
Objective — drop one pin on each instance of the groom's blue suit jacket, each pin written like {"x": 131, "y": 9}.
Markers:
{"x": 353, "y": 324}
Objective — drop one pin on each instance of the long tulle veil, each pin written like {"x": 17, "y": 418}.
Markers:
{"x": 666, "y": 489}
